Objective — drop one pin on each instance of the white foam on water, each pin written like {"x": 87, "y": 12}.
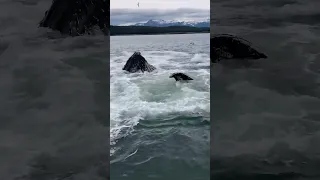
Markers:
{"x": 136, "y": 96}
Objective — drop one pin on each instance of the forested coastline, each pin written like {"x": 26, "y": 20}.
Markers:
{"x": 141, "y": 30}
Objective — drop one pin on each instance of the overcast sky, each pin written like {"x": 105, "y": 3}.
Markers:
{"x": 127, "y": 11}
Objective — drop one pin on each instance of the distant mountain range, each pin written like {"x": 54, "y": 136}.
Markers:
{"x": 163, "y": 23}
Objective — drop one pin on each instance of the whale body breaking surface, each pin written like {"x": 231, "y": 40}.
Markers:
{"x": 138, "y": 63}
{"x": 77, "y": 17}
{"x": 225, "y": 46}
{"x": 180, "y": 77}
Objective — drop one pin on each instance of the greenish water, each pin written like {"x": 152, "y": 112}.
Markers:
{"x": 160, "y": 129}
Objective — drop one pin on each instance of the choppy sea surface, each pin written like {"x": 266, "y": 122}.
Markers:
{"x": 160, "y": 128}
{"x": 265, "y": 120}
{"x": 54, "y": 99}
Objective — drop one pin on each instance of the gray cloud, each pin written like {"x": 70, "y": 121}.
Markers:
{"x": 122, "y": 16}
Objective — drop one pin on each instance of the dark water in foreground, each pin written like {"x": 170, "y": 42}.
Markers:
{"x": 53, "y": 100}
{"x": 266, "y": 119}
{"x": 159, "y": 128}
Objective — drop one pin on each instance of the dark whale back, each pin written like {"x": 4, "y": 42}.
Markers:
{"x": 77, "y": 17}
{"x": 137, "y": 63}
{"x": 224, "y": 46}
{"x": 180, "y": 77}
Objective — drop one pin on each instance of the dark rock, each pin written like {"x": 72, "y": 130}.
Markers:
{"x": 77, "y": 17}
{"x": 138, "y": 63}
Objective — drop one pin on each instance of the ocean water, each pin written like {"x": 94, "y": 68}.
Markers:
{"x": 54, "y": 121}
{"x": 159, "y": 128}
{"x": 265, "y": 120}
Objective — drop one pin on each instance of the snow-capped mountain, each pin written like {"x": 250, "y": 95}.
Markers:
{"x": 163, "y": 23}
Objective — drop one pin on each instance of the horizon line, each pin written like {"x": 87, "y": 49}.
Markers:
{"x": 139, "y": 8}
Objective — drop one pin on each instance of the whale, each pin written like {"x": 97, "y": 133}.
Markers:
{"x": 225, "y": 46}
{"x": 180, "y": 77}
{"x": 137, "y": 63}
{"x": 77, "y": 17}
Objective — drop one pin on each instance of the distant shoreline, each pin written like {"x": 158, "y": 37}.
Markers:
{"x": 160, "y": 34}
{"x": 149, "y": 30}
